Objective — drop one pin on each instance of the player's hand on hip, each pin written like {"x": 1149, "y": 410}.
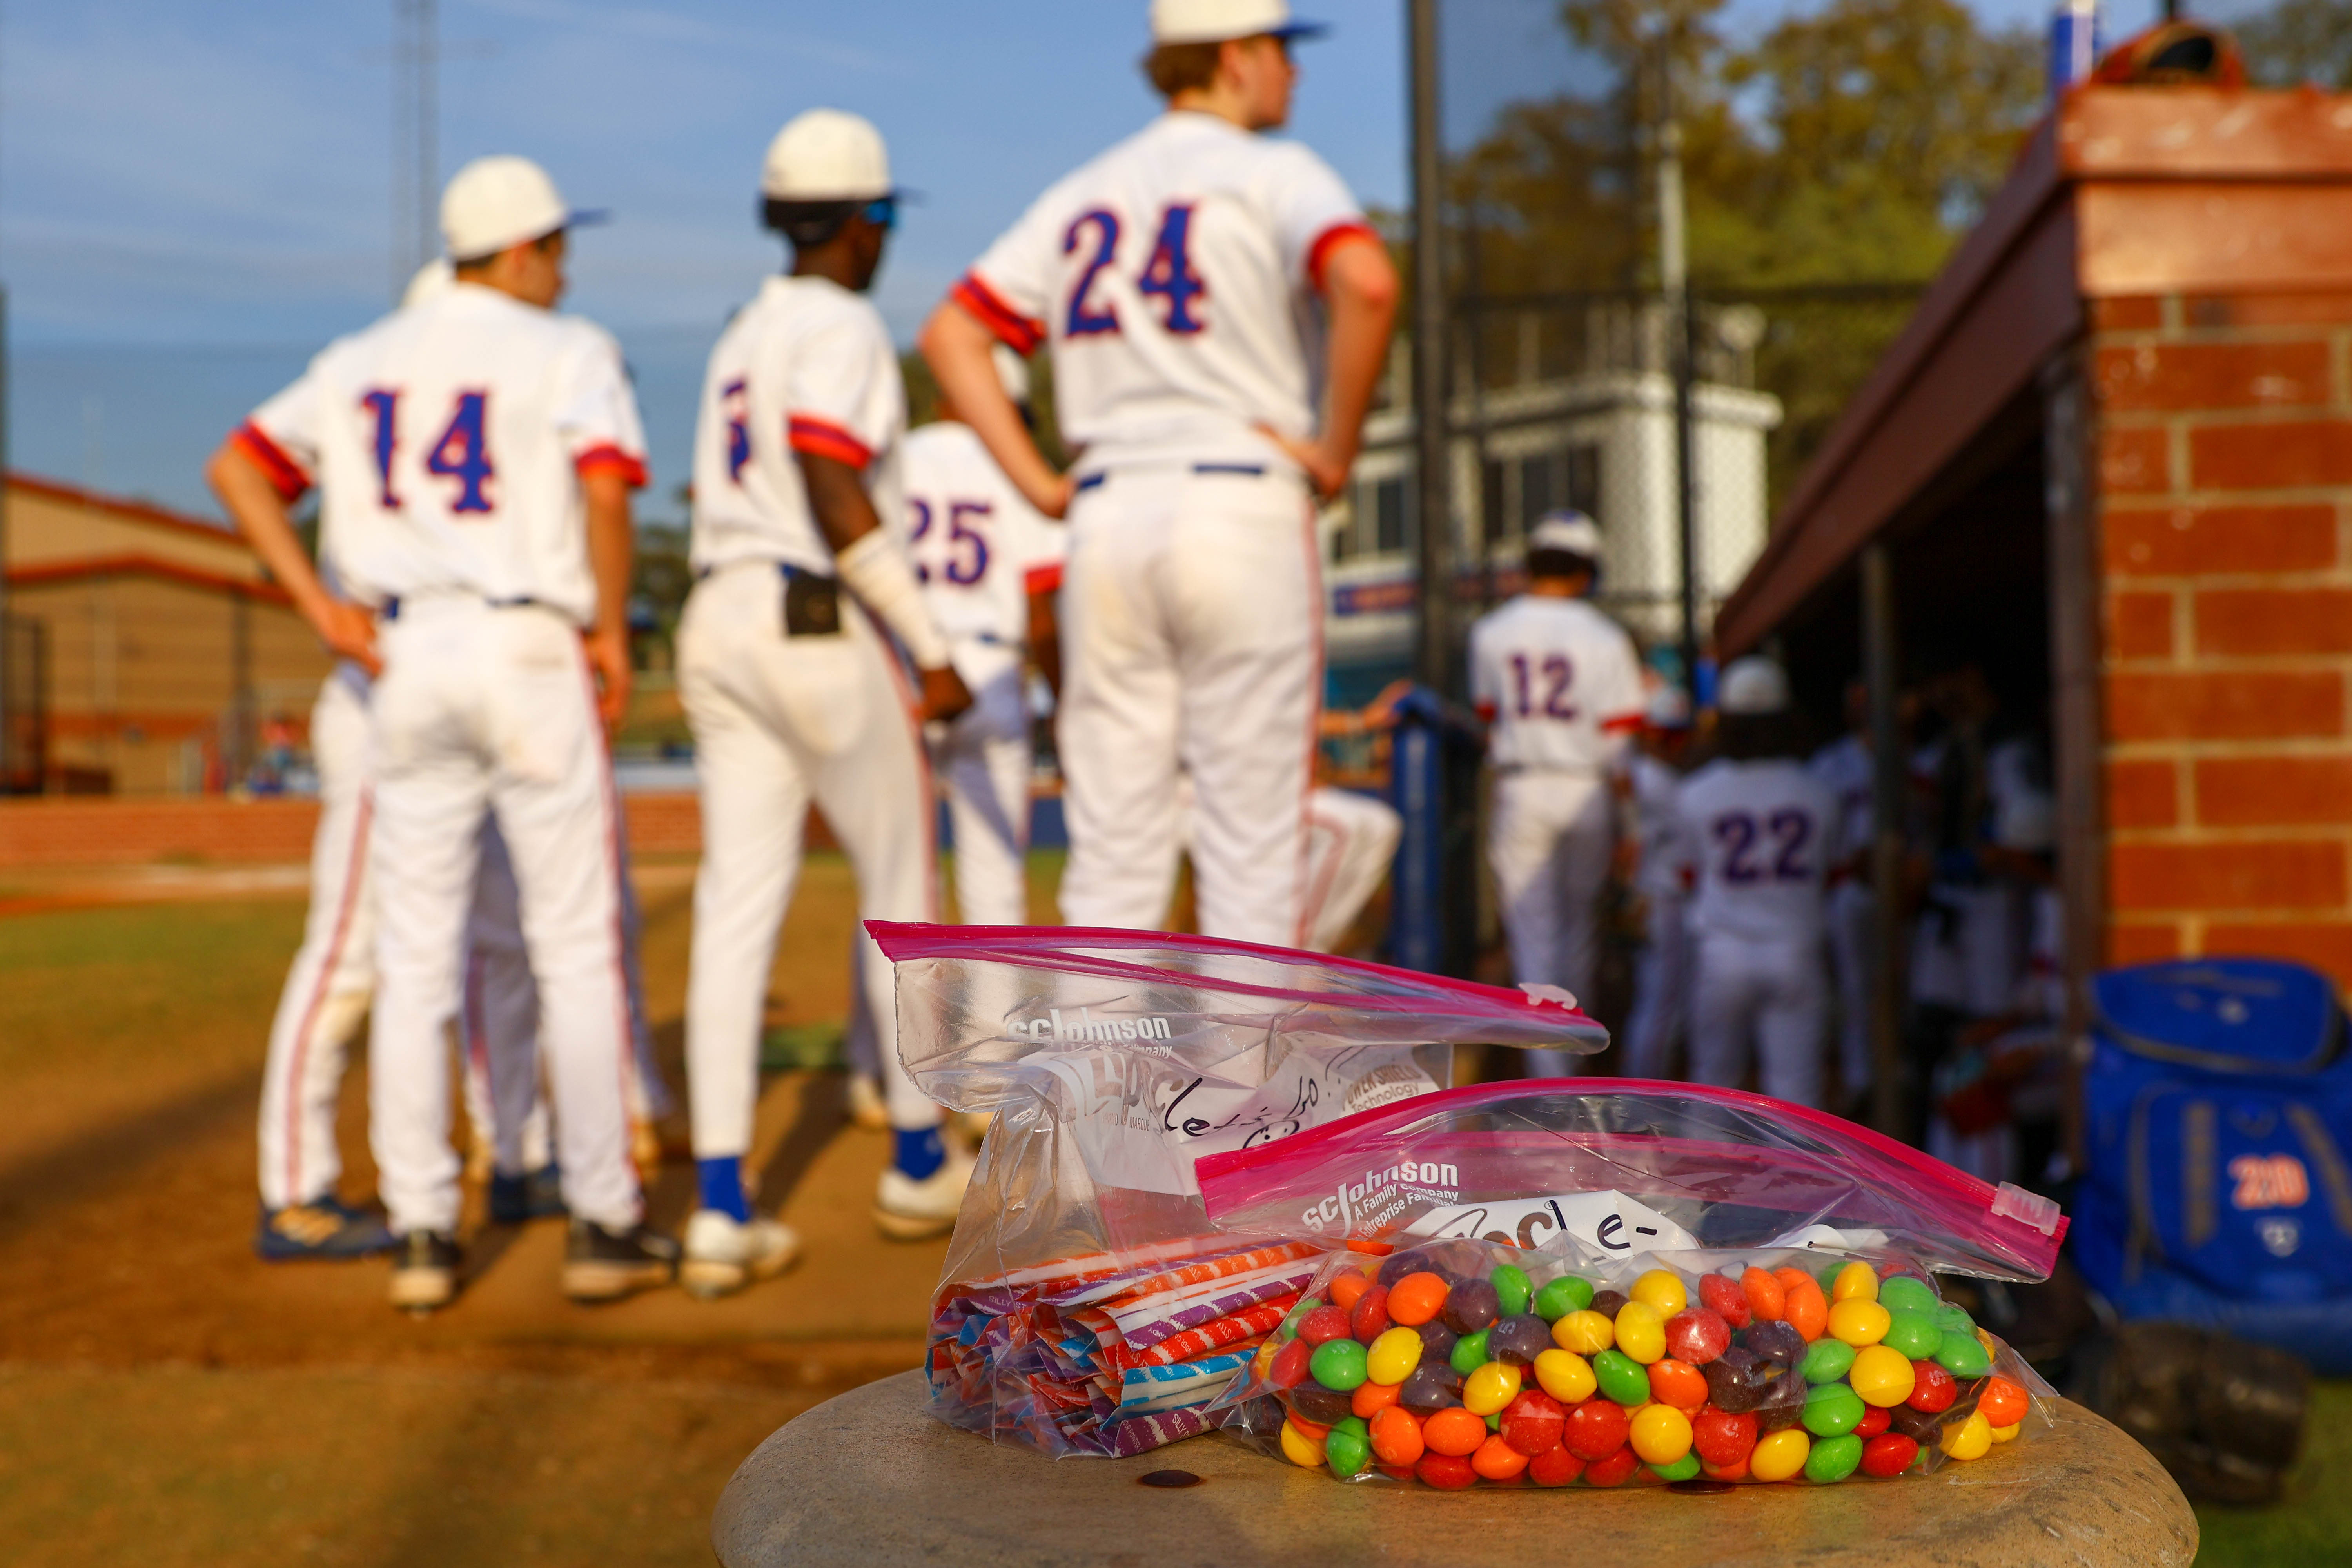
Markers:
{"x": 608, "y": 656}
{"x": 944, "y": 694}
{"x": 349, "y": 633}
{"x": 1052, "y": 495}
{"x": 1327, "y": 470}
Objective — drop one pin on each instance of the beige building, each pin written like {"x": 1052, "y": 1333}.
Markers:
{"x": 162, "y": 659}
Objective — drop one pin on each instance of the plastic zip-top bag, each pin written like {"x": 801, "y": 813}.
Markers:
{"x": 1087, "y": 1306}
{"x": 1626, "y": 1167}
{"x": 1457, "y": 1362}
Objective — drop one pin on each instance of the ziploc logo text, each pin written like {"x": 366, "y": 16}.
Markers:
{"x": 1087, "y": 1026}
{"x": 1365, "y": 1204}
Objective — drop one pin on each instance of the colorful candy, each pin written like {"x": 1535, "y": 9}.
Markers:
{"x": 1428, "y": 1370}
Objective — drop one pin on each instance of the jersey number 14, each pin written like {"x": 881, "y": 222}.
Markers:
{"x": 462, "y": 452}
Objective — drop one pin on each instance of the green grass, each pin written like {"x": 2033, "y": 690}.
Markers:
{"x": 2313, "y": 1524}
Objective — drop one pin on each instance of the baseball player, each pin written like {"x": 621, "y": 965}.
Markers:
{"x": 1759, "y": 832}
{"x": 792, "y": 691}
{"x": 1218, "y": 312}
{"x": 1559, "y": 687}
{"x": 1662, "y": 972}
{"x": 475, "y": 455}
{"x": 990, "y": 564}
{"x": 1845, "y": 765}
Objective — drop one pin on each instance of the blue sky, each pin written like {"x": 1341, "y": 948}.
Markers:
{"x": 193, "y": 195}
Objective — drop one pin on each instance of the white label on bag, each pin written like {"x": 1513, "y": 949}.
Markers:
{"x": 1831, "y": 1239}
{"x": 1609, "y": 1222}
{"x": 1141, "y": 1120}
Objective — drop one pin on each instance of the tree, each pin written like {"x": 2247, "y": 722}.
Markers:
{"x": 2299, "y": 41}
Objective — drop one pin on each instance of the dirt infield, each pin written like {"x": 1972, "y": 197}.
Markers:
{"x": 164, "y": 1397}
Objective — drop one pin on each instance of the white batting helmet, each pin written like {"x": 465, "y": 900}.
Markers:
{"x": 1754, "y": 688}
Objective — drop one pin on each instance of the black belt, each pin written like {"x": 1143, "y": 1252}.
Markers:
{"x": 391, "y": 610}
{"x": 789, "y": 570}
{"x": 1242, "y": 470}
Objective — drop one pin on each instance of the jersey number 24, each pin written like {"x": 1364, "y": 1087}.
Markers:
{"x": 1169, "y": 274}
{"x": 462, "y": 452}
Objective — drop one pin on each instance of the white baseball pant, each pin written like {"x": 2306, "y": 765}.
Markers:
{"x": 1661, "y": 992}
{"x": 486, "y": 711}
{"x": 779, "y": 722}
{"x": 1192, "y": 640}
{"x": 332, "y": 978}
{"x": 1549, "y": 845}
{"x": 499, "y": 1023}
{"x": 983, "y": 758}
{"x": 1770, "y": 995}
{"x": 1854, "y": 961}
{"x": 1351, "y": 842}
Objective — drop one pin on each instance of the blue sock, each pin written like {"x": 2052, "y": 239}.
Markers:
{"x": 722, "y": 1187}
{"x": 920, "y": 1152}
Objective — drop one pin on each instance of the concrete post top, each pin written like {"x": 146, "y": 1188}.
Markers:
{"x": 870, "y": 1479}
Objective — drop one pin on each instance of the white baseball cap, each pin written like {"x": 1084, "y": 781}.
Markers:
{"x": 1215, "y": 21}
{"x": 433, "y": 279}
{"x": 1753, "y": 688}
{"x": 1669, "y": 709}
{"x": 2026, "y": 821}
{"x": 1013, "y": 371}
{"x": 1568, "y": 531}
{"x": 496, "y": 202}
{"x": 826, "y": 155}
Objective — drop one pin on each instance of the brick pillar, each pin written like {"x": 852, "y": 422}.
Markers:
{"x": 2225, "y": 462}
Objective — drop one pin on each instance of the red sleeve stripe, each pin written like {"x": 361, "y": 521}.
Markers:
{"x": 611, "y": 457}
{"x": 1318, "y": 255}
{"x": 1623, "y": 724}
{"x": 826, "y": 439}
{"x": 285, "y": 474}
{"x": 1021, "y": 334}
{"x": 1041, "y": 579}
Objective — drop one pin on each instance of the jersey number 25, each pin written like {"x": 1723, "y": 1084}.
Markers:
{"x": 963, "y": 567}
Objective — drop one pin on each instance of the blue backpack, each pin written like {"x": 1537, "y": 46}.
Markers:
{"x": 2218, "y": 1108}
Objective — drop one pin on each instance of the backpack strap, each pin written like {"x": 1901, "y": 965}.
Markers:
{"x": 2327, "y": 1160}
{"x": 2142, "y": 1246}
{"x": 2197, "y": 1172}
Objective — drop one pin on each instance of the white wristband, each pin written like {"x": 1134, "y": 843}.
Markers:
{"x": 879, "y": 574}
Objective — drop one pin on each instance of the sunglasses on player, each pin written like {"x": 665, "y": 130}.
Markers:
{"x": 882, "y": 212}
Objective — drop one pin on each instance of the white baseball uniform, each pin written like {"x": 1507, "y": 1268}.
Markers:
{"x": 782, "y": 718}
{"x": 1662, "y": 972}
{"x": 1845, "y": 765}
{"x": 980, "y": 550}
{"x": 448, "y": 439}
{"x": 1176, "y": 278}
{"x": 1760, "y": 837}
{"x": 1560, "y": 687}
{"x": 1352, "y": 843}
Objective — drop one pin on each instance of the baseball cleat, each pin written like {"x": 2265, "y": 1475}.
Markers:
{"x": 867, "y": 1111}
{"x": 907, "y": 1210}
{"x": 724, "y": 1254}
{"x": 517, "y": 1200}
{"x": 425, "y": 1271}
{"x": 321, "y": 1229}
{"x": 603, "y": 1265}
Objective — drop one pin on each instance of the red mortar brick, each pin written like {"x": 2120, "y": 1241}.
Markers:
{"x": 2253, "y": 705}
{"x": 2139, "y": 626}
{"x": 2274, "y": 792}
{"x": 2255, "y": 621}
{"x": 2213, "y": 375}
{"x": 2134, "y": 460}
{"x": 2129, "y": 313}
{"x": 2268, "y": 309}
{"x": 2281, "y": 455}
{"x": 2181, "y": 542}
{"x": 2142, "y": 794}
{"x": 2139, "y": 943}
{"x": 2306, "y": 874}
{"x": 2326, "y": 945}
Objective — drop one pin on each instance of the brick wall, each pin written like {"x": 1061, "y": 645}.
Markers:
{"x": 2225, "y": 454}
{"x": 100, "y": 832}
